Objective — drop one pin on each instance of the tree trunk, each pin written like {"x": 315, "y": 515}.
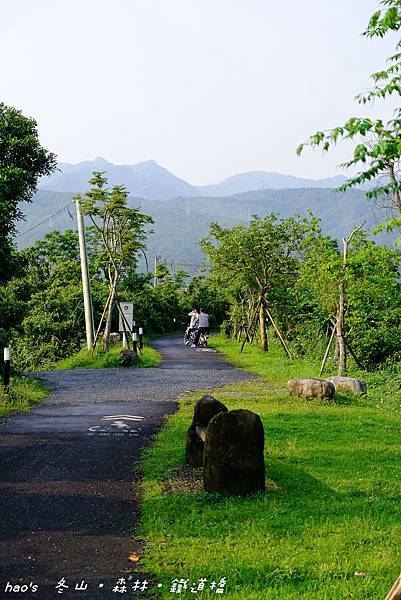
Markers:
{"x": 342, "y": 362}
{"x": 107, "y": 327}
{"x": 340, "y": 326}
{"x": 336, "y": 351}
{"x": 262, "y": 323}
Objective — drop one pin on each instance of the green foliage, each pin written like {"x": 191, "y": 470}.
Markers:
{"x": 22, "y": 161}
{"x": 44, "y": 309}
{"x": 159, "y": 309}
{"x": 383, "y": 21}
{"x": 106, "y": 359}
{"x": 205, "y": 292}
{"x": 256, "y": 266}
{"x": 373, "y": 299}
{"x": 50, "y": 299}
{"x": 255, "y": 257}
{"x": 24, "y": 393}
{"x": 121, "y": 236}
{"x": 121, "y": 228}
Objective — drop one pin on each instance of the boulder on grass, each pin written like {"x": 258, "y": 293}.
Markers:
{"x": 349, "y": 384}
{"x": 205, "y": 408}
{"x": 311, "y": 388}
{"x": 128, "y": 358}
{"x": 233, "y": 455}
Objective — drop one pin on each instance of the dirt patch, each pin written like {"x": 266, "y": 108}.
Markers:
{"x": 185, "y": 481}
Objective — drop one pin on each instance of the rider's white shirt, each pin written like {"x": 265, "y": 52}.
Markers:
{"x": 194, "y": 319}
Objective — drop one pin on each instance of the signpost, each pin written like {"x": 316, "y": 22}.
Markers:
{"x": 127, "y": 308}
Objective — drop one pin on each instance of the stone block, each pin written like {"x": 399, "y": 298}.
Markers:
{"x": 233, "y": 456}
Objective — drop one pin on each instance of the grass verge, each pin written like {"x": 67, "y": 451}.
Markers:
{"x": 328, "y": 525}
{"x": 100, "y": 359}
{"x": 25, "y": 392}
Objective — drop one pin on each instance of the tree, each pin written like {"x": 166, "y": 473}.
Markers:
{"x": 366, "y": 289}
{"x": 378, "y": 143}
{"x": 50, "y": 289}
{"x": 122, "y": 236}
{"x": 256, "y": 265}
{"x": 22, "y": 161}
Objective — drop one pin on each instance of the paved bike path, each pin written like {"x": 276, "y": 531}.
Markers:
{"x": 69, "y": 477}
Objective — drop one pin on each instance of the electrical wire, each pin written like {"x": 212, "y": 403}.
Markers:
{"x": 47, "y": 219}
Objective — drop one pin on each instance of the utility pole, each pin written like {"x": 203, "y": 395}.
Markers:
{"x": 155, "y": 272}
{"x": 85, "y": 276}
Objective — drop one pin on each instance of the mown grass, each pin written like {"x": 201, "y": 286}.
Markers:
{"x": 101, "y": 359}
{"x": 383, "y": 385}
{"x": 328, "y": 526}
{"x": 24, "y": 393}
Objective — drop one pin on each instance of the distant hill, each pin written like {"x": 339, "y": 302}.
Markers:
{"x": 258, "y": 180}
{"x": 145, "y": 179}
{"x": 151, "y": 181}
{"x": 181, "y": 222}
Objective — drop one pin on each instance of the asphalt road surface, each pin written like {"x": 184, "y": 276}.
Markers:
{"x": 69, "y": 480}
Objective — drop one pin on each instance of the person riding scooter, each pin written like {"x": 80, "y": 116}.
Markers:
{"x": 203, "y": 326}
{"x": 193, "y": 325}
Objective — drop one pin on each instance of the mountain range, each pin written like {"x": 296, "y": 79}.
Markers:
{"x": 151, "y": 181}
{"x": 181, "y": 222}
{"x": 183, "y": 212}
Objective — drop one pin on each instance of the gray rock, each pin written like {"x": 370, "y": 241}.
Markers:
{"x": 349, "y": 384}
{"x": 233, "y": 456}
{"x": 205, "y": 408}
{"x": 114, "y": 339}
{"x": 311, "y": 388}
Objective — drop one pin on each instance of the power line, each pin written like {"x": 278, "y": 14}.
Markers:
{"x": 47, "y": 219}
{"x": 178, "y": 263}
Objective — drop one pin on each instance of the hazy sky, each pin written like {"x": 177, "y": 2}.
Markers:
{"x": 207, "y": 88}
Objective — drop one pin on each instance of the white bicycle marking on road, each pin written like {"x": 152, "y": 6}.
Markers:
{"x": 115, "y": 425}
{"x": 123, "y": 417}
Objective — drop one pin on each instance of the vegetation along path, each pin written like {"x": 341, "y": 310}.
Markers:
{"x": 69, "y": 469}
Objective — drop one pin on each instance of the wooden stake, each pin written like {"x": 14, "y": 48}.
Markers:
{"x": 395, "y": 592}
{"x": 276, "y": 329}
{"x": 255, "y": 314}
{"x": 333, "y": 331}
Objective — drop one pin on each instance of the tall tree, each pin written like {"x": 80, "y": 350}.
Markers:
{"x": 22, "y": 161}
{"x": 256, "y": 265}
{"x": 121, "y": 232}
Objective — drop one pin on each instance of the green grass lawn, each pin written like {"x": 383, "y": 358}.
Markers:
{"x": 328, "y": 525}
{"x": 98, "y": 359}
{"x": 24, "y": 393}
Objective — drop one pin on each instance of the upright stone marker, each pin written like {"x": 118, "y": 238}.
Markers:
{"x": 205, "y": 408}
{"x": 128, "y": 358}
{"x": 233, "y": 456}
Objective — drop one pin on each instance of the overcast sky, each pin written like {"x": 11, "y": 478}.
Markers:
{"x": 207, "y": 88}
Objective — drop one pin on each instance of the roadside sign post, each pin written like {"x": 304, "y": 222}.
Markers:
{"x": 127, "y": 308}
{"x": 7, "y": 370}
{"x": 140, "y": 338}
{"x": 135, "y": 342}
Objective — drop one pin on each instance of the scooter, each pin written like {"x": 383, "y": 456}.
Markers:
{"x": 189, "y": 338}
